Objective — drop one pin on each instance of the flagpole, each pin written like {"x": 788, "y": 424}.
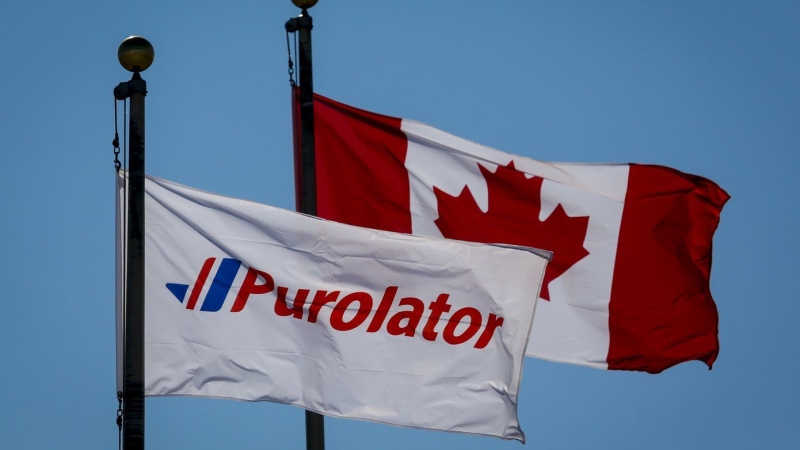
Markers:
{"x": 135, "y": 55}
{"x": 302, "y": 24}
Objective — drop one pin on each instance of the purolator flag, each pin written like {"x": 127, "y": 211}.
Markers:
{"x": 251, "y": 302}
{"x": 628, "y": 286}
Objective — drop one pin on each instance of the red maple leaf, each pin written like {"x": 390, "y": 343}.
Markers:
{"x": 513, "y": 218}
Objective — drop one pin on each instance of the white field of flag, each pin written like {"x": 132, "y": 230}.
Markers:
{"x": 251, "y": 302}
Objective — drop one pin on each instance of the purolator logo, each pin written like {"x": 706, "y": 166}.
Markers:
{"x": 350, "y": 311}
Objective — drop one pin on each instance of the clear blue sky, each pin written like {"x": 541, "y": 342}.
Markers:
{"x": 710, "y": 87}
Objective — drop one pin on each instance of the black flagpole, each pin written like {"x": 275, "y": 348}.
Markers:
{"x": 135, "y": 54}
{"x": 302, "y": 24}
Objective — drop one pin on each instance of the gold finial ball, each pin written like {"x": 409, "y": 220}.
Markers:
{"x": 304, "y": 4}
{"x": 135, "y": 54}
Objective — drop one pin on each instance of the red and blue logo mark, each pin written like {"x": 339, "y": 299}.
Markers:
{"x": 220, "y": 286}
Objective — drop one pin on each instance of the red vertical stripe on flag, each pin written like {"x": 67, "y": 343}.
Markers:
{"x": 364, "y": 181}
{"x": 661, "y": 311}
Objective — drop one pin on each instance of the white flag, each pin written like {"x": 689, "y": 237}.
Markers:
{"x": 251, "y": 302}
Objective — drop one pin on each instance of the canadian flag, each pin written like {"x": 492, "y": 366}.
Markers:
{"x": 628, "y": 286}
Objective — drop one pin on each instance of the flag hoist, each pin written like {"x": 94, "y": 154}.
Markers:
{"x": 135, "y": 54}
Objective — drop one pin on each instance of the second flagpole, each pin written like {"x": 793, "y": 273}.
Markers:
{"x": 307, "y": 198}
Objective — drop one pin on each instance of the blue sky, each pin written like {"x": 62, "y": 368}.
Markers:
{"x": 708, "y": 87}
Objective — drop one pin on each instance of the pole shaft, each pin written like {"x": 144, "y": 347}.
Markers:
{"x": 315, "y": 431}
{"x": 308, "y": 181}
{"x": 133, "y": 365}
{"x": 315, "y": 423}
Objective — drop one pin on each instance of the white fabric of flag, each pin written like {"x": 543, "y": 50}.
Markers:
{"x": 251, "y": 302}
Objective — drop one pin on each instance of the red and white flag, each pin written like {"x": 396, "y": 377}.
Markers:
{"x": 628, "y": 286}
{"x": 251, "y": 302}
